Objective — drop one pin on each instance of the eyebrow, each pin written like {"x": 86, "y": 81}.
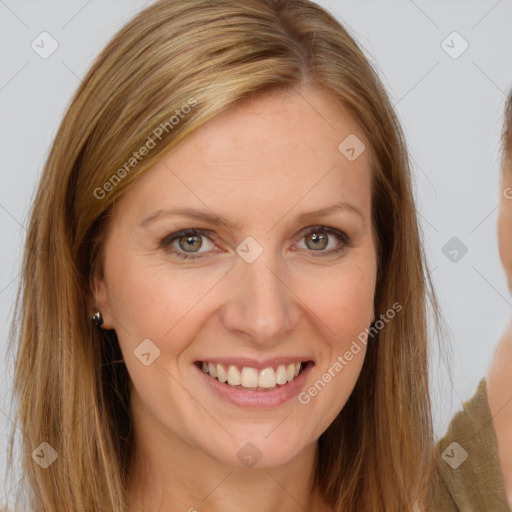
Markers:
{"x": 218, "y": 220}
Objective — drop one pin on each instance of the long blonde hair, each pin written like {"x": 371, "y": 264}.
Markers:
{"x": 71, "y": 389}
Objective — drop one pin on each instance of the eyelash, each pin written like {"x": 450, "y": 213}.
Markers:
{"x": 344, "y": 239}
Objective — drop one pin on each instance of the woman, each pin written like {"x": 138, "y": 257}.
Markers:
{"x": 223, "y": 302}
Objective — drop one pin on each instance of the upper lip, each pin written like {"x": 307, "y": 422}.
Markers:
{"x": 254, "y": 363}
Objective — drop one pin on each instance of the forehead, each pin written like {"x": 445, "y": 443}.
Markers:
{"x": 269, "y": 154}
{"x": 290, "y": 125}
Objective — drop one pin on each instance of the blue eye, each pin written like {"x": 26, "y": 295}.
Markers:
{"x": 318, "y": 236}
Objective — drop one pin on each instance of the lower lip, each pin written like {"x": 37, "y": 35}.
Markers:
{"x": 257, "y": 399}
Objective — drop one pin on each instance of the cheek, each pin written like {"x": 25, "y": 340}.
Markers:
{"x": 157, "y": 312}
{"x": 343, "y": 306}
{"x": 345, "y": 302}
{"x": 149, "y": 301}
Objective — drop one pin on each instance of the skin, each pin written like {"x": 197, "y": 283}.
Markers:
{"x": 260, "y": 165}
{"x": 499, "y": 380}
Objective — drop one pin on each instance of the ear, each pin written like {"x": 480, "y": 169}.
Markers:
{"x": 505, "y": 220}
{"x": 505, "y": 239}
{"x": 99, "y": 301}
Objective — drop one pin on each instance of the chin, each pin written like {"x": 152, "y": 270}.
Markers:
{"x": 260, "y": 451}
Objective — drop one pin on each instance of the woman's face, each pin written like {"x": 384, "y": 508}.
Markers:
{"x": 253, "y": 290}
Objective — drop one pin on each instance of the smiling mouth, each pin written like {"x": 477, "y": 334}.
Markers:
{"x": 252, "y": 379}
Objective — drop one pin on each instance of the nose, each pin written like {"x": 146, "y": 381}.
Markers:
{"x": 260, "y": 303}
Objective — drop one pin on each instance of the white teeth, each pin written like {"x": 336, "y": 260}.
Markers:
{"x": 221, "y": 373}
{"x": 249, "y": 377}
{"x": 212, "y": 370}
{"x": 281, "y": 376}
{"x": 290, "y": 372}
{"x": 233, "y": 376}
{"x": 267, "y": 378}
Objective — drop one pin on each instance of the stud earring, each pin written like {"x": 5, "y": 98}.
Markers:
{"x": 97, "y": 319}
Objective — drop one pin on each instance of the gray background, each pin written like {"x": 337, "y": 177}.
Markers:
{"x": 450, "y": 108}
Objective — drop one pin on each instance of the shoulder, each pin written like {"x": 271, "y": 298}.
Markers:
{"x": 468, "y": 472}
{"x": 499, "y": 392}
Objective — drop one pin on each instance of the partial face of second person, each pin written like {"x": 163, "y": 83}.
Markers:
{"x": 500, "y": 379}
{"x": 505, "y": 218}
{"x": 260, "y": 166}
